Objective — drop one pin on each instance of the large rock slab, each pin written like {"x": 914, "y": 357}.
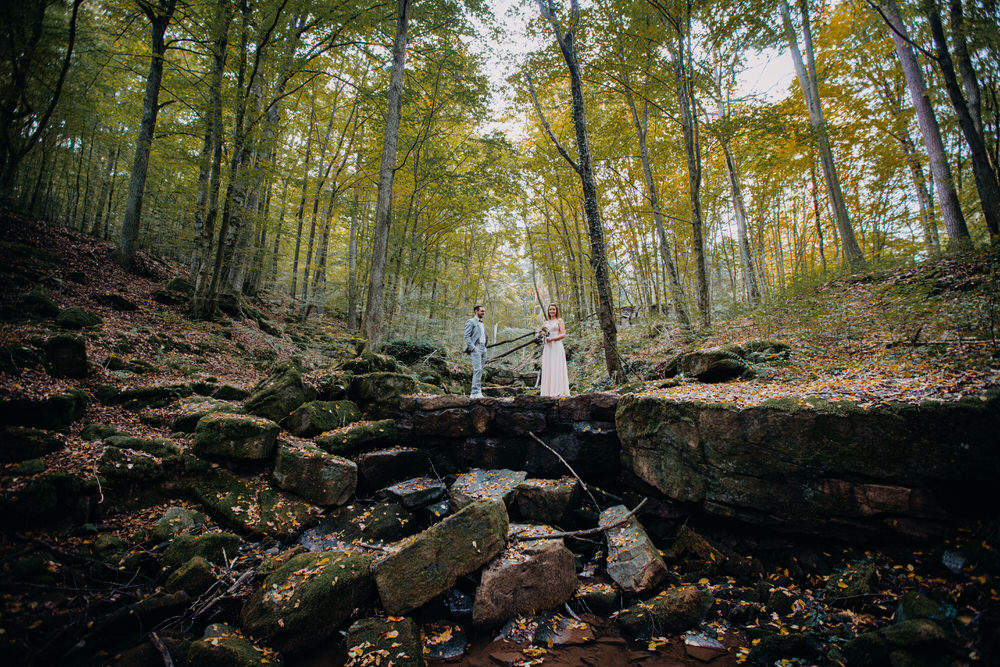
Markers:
{"x": 375, "y": 524}
{"x": 66, "y": 356}
{"x": 20, "y": 443}
{"x": 671, "y": 612}
{"x": 481, "y": 484}
{"x": 235, "y": 436}
{"x": 385, "y": 466}
{"x": 430, "y": 563}
{"x": 417, "y": 492}
{"x": 811, "y": 468}
{"x": 634, "y": 562}
{"x": 382, "y": 389}
{"x": 277, "y": 395}
{"x": 358, "y": 437}
{"x": 53, "y": 412}
{"x": 546, "y": 500}
{"x": 254, "y": 508}
{"x": 525, "y": 578}
{"x": 320, "y": 478}
{"x": 307, "y": 599}
{"x": 316, "y": 417}
{"x": 192, "y": 409}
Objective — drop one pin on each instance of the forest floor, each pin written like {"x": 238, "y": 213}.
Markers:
{"x": 909, "y": 333}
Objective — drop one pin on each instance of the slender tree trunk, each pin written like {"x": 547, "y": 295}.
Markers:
{"x": 982, "y": 170}
{"x": 277, "y": 234}
{"x": 746, "y": 257}
{"x": 159, "y": 16}
{"x": 808, "y": 83}
{"x": 300, "y": 215}
{"x": 676, "y": 290}
{"x": 595, "y": 230}
{"x": 951, "y": 211}
{"x": 374, "y": 305}
{"x": 352, "y": 262}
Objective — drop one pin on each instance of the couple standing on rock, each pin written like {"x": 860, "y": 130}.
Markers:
{"x": 555, "y": 379}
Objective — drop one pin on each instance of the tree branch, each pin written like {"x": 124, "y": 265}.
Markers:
{"x": 548, "y": 128}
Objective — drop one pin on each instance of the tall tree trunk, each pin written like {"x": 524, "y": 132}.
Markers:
{"x": 159, "y": 15}
{"x": 352, "y": 262}
{"x": 273, "y": 281}
{"x": 982, "y": 170}
{"x": 809, "y": 84}
{"x": 585, "y": 169}
{"x": 374, "y": 305}
{"x": 676, "y": 290}
{"x": 300, "y": 215}
{"x": 951, "y": 211}
{"x": 815, "y": 200}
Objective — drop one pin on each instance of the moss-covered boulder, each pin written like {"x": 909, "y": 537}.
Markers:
{"x": 39, "y": 304}
{"x": 127, "y": 468}
{"x": 359, "y": 437}
{"x": 176, "y": 520}
{"x": 96, "y": 431}
{"x": 158, "y": 447}
{"x": 384, "y": 641}
{"x": 155, "y": 396}
{"x": 77, "y": 317}
{"x": 856, "y": 581}
{"x": 193, "y": 408}
{"x": 193, "y": 577}
{"x": 317, "y": 417}
{"x": 671, "y": 612}
{"x": 53, "y": 412}
{"x": 51, "y": 496}
{"x": 277, "y": 395}
{"x": 223, "y": 646}
{"x": 308, "y": 598}
{"x": 430, "y": 563}
{"x": 715, "y": 365}
{"x": 913, "y": 605}
{"x": 479, "y": 484}
{"x": 368, "y": 362}
{"x": 21, "y": 443}
{"x": 254, "y": 508}
{"x": 807, "y": 466}
{"x": 384, "y": 389}
{"x": 235, "y": 436}
{"x": 876, "y": 647}
{"x": 66, "y": 356}
{"x": 634, "y": 562}
{"x": 334, "y": 386}
{"x": 320, "y": 478}
{"x": 546, "y": 500}
{"x": 386, "y": 466}
{"x": 380, "y": 523}
{"x": 213, "y": 547}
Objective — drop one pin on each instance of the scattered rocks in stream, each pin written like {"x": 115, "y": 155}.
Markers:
{"x": 634, "y": 562}
{"x": 480, "y": 484}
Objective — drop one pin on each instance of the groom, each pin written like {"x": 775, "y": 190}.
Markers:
{"x": 475, "y": 346}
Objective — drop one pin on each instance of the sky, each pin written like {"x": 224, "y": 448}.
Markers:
{"x": 767, "y": 76}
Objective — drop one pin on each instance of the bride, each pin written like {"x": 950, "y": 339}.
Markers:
{"x": 555, "y": 380}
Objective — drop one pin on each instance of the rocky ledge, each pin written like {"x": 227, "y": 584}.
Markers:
{"x": 818, "y": 467}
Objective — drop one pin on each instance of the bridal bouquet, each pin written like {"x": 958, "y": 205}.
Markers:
{"x": 543, "y": 333}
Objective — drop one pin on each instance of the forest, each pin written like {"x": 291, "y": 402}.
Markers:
{"x": 250, "y": 141}
{"x": 239, "y": 240}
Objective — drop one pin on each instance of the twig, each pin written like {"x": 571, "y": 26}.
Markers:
{"x": 162, "y": 649}
{"x": 569, "y": 467}
{"x": 581, "y": 533}
{"x": 571, "y": 612}
{"x": 99, "y": 489}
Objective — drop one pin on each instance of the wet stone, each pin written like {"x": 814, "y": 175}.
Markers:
{"x": 320, "y": 478}
{"x": 599, "y": 598}
{"x": 559, "y": 630}
{"x": 176, "y": 520}
{"x": 702, "y": 647}
{"x": 481, "y": 484}
{"x": 377, "y": 524}
{"x": 431, "y": 562}
{"x": 444, "y": 641}
{"x": 386, "y": 466}
{"x": 634, "y": 562}
{"x": 546, "y": 500}
{"x": 253, "y": 508}
{"x": 194, "y": 408}
{"x": 670, "y": 612}
{"x": 317, "y": 417}
{"x": 417, "y": 492}
{"x": 525, "y": 578}
{"x": 379, "y": 641}
{"x": 358, "y": 437}
{"x": 437, "y": 511}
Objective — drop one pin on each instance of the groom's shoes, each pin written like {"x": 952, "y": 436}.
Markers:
{"x": 479, "y": 395}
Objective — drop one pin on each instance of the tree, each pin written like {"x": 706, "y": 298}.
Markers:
{"x": 26, "y": 106}
{"x": 595, "y": 230}
{"x": 951, "y": 211}
{"x": 809, "y": 83}
{"x": 159, "y": 13}
{"x": 374, "y": 306}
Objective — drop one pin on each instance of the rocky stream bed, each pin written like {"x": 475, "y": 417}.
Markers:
{"x": 352, "y": 521}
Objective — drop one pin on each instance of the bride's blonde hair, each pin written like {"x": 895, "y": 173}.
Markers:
{"x": 552, "y": 305}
